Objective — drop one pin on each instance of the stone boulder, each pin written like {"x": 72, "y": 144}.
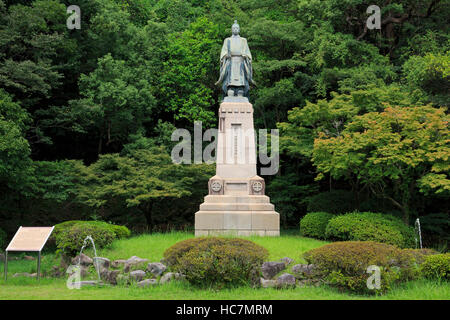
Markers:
{"x": 110, "y": 276}
{"x": 309, "y": 283}
{"x": 82, "y": 259}
{"x": 286, "y": 280}
{"x": 147, "y": 283}
{"x": 136, "y": 259}
{"x": 271, "y": 269}
{"x": 287, "y": 260}
{"x": 102, "y": 264}
{"x": 57, "y": 272}
{"x": 170, "y": 276}
{"x": 268, "y": 283}
{"x": 118, "y": 263}
{"x": 302, "y": 271}
{"x": 122, "y": 279}
{"x": 137, "y": 275}
{"x": 156, "y": 268}
{"x": 134, "y": 263}
{"x": 84, "y": 270}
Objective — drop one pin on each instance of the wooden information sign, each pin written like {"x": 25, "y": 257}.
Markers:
{"x": 29, "y": 239}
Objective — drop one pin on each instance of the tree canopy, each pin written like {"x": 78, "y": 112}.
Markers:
{"x": 86, "y": 114}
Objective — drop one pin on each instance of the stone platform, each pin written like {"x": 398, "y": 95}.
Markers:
{"x": 237, "y": 215}
{"x": 236, "y": 203}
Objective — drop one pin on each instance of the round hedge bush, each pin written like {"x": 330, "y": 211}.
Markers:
{"x": 218, "y": 262}
{"x": 344, "y": 264}
{"x": 2, "y": 240}
{"x": 69, "y": 236}
{"x": 369, "y": 226}
{"x": 314, "y": 224}
{"x": 335, "y": 201}
{"x": 119, "y": 231}
{"x": 71, "y": 240}
{"x": 436, "y": 267}
{"x": 419, "y": 255}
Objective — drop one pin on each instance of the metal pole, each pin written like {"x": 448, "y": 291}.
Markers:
{"x": 39, "y": 267}
{"x": 6, "y": 265}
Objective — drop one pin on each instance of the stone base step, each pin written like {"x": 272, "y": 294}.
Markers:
{"x": 237, "y": 220}
{"x": 233, "y": 207}
{"x": 238, "y": 233}
{"x": 236, "y": 199}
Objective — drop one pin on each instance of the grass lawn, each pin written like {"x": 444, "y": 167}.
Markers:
{"x": 152, "y": 248}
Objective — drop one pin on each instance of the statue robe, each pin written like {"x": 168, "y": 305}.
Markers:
{"x": 237, "y": 70}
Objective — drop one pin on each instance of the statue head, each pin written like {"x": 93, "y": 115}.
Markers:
{"x": 235, "y": 29}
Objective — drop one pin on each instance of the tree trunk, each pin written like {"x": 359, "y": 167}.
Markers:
{"x": 148, "y": 215}
{"x": 100, "y": 142}
{"x": 403, "y": 207}
{"x": 405, "y": 211}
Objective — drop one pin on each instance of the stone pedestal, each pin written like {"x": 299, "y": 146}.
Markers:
{"x": 236, "y": 203}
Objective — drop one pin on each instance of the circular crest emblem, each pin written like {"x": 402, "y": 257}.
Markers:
{"x": 257, "y": 186}
{"x": 216, "y": 186}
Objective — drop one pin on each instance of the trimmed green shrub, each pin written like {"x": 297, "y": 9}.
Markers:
{"x": 69, "y": 236}
{"x": 436, "y": 267}
{"x": 2, "y": 240}
{"x": 369, "y": 226}
{"x": 218, "y": 262}
{"x": 314, "y": 224}
{"x": 71, "y": 240}
{"x": 420, "y": 255}
{"x": 119, "y": 231}
{"x": 344, "y": 264}
{"x": 335, "y": 201}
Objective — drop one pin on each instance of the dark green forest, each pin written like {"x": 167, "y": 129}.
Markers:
{"x": 86, "y": 115}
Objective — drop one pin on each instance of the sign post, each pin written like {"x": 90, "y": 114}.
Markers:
{"x": 29, "y": 239}
{"x": 6, "y": 265}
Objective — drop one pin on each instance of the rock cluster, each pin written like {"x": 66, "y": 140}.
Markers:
{"x": 10, "y": 258}
{"x": 302, "y": 274}
{"x": 271, "y": 269}
{"x": 83, "y": 260}
{"x": 133, "y": 270}
{"x": 303, "y": 270}
{"x": 144, "y": 273}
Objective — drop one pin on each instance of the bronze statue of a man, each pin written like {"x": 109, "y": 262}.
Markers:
{"x": 236, "y": 72}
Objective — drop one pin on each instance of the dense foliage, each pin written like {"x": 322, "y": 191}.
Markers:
{"x": 2, "y": 239}
{"x": 70, "y": 235}
{"x": 436, "y": 267}
{"x": 369, "y": 226}
{"x": 335, "y": 201}
{"x": 119, "y": 231}
{"x": 408, "y": 145}
{"x": 344, "y": 264}
{"x": 217, "y": 262}
{"x": 314, "y": 224}
{"x": 360, "y": 111}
